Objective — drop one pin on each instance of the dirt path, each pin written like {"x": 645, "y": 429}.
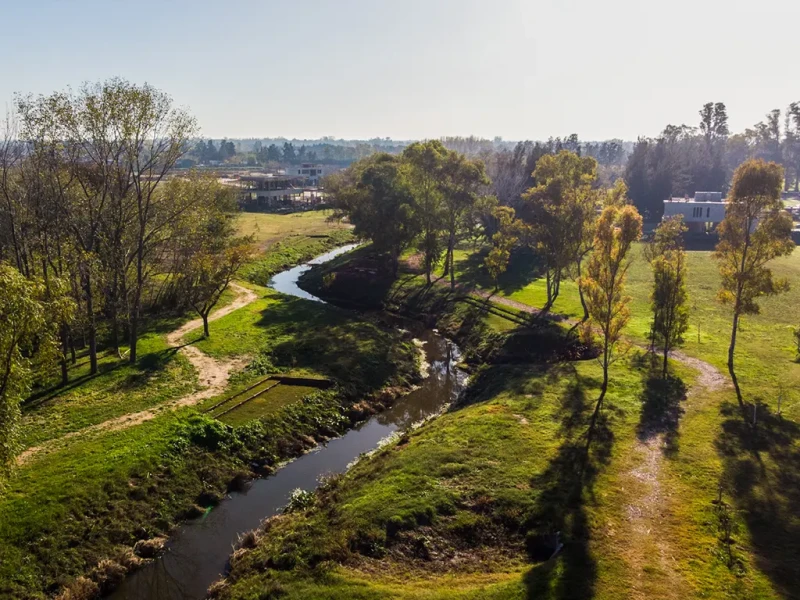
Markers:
{"x": 646, "y": 544}
{"x": 213, "y": 376}
{"x": 649, "y": 509}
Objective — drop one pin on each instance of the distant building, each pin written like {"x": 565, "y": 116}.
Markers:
{"x": 260, "y": 190}
{"x": 311, "y": 173}
{"x": 701, "y": 214}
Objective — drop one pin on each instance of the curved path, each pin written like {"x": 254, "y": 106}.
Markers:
{"x": 213, "y": 375}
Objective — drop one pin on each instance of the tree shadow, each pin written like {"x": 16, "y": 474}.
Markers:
{"x": 357, "y": 353}
{"x": 565, "y": 487}
{"x": 524, "y": 267}
{"x": 761, "y": 472}
{"x": 661, "y": 410}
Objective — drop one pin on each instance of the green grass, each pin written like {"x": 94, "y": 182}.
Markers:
{"x": 160, "y": 375}
{"x": 284, "y": 333}
{"x": 470, "y": 487}
{"x": 267, "y": 403}
{"x": 765, "y": 351}
{"x": 473, "y": 490}
{"x": 269, "y": 228}
{"x": 760, "y": 482}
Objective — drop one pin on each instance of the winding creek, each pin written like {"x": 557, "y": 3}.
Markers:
{"x": 198, "y": 552}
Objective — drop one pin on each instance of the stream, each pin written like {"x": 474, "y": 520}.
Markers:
{"x": 197, "y": 554}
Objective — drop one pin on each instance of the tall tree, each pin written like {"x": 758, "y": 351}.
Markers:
{"x": 375, "y": 194}
{"x": 618, "y": 228}
{"x": 209, "y": 254}
{"x": 755, "y": 230}
{"x": 426, "y": 162}
{"x": 462, "y": 180}
{"x": 558, "y": 210}
{"x": 669, "y": 297}
{"x": 289, "y": 155}
{"x": 503, "y": 240}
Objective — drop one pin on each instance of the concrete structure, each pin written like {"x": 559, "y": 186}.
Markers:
{"x": 310, "y": 172}
{"x": 261, "y": 190}
{"x": 701, "y": 214}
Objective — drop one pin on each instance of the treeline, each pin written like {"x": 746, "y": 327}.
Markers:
{"x": 686, "y": 159}
{"x": 91, "y": 218}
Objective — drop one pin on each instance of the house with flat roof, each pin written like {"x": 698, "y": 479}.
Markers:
{"x": 701, "y": 214}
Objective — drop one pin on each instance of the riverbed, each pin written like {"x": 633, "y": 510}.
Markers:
{"x": 197, "y": 554}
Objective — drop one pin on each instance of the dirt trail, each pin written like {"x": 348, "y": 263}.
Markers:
{"x": 213, "y": 376}
{"x": 645, "y": 543}
{"x": 649, "y": 509}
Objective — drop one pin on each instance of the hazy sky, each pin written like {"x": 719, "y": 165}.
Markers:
{"x": 418, "y": 68}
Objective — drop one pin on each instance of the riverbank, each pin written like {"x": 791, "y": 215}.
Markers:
{"x": 499, "y": 498}
{"x": 71, "y": 518}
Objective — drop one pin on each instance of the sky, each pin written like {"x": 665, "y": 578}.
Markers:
{"x": 413, "y": 69}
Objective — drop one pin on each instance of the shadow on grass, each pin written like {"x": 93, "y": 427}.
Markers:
{"x": 524, "y": 267}
{"x": 565, "y": 486}
{"x": 762, "y": 475}
{"x": 661, "y": 410}
{"x": 355, "y": 352}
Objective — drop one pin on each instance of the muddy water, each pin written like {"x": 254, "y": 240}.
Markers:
{"x": 198, "y": 553}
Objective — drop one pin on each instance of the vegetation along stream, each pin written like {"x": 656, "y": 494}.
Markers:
{"x": 198, "y": 553}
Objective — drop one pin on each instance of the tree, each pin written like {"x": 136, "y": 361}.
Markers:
{"x": 288, "y": 152}
{"x": 425, "y": 175}
{"x": 374, "y": 193}
{"x": 755, "y": 230}
{"x": 618, "y": 228}
{"x": 273, "y": 153}
{"x": 792, "y": 142}
{"x": 669, "y": 297}
{"x": 559, "y": 210}
{"x": 27, "y": 335}
{"x": 462, "y": 180}
{"x": 496, "y": 262}
{"x": 209, "y": 255}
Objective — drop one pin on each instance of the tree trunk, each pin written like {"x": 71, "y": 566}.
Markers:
{"x": 205, "y": 324}
{"x": 580, "y": 294}
{"x": 64, "y": 351}
{"x": 664, "y": 368}
{"x": 731, "y": 350}
{"x": 137, "y": 299}
{"x": 451, "y": 252}
{"x": 87, "y": 288}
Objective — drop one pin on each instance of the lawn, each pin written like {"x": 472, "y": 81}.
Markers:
{"x": 269, "y": 228}
{"x": 284, "y": 333}
{"x": 267, "y": 403}
{"x": 452, "y": 510}
{"x": 466, "y": 506}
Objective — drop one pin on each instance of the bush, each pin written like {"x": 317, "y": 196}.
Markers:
{"x": 300, "y": 500}
{"x": 207, "y": 433}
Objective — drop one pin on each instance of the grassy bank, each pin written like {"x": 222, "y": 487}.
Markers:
{"x": 677, "y": 498}
{"x": 79, "y": 508}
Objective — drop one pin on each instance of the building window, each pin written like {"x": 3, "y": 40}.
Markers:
{"x": 708, "y": 212}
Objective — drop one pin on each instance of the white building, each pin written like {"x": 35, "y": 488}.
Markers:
{"x": 311, "y": 173}
{"x": 701, "y": 214}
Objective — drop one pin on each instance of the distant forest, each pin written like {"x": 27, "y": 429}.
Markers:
{"x": 681, "y": 160}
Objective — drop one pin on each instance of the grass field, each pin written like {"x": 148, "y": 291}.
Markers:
{"x": 267, "y": 403}
{"x": 269, "y": 228}
{"x": 459, "y": 509}
{"x": 462, "y": 508}
{"x": 94, "y": 495}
